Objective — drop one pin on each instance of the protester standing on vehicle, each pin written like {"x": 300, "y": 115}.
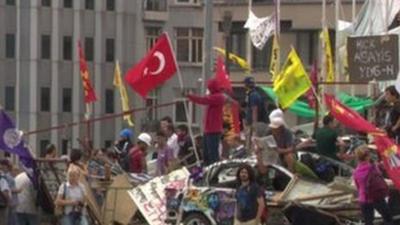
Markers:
{"x": 255, "y": 105}
{"x": 165, "y": 155}
{"x": 392, "y": 127}
{"x": 249, "y": 198}
{"x": 213, "y": 121}
{"x": 51, "y": 152}
{"x": 122, "y": 147}
{"x": 72, "y": 197}
{"x": 327, "y": 139}
{"x": 371, "y": 187}
{"x": 138, "y": 154}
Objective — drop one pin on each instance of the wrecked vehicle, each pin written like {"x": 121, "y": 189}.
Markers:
{"x": 210, "y": 199}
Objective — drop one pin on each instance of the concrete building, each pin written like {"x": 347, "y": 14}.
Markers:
{"x": 40, "y": 84}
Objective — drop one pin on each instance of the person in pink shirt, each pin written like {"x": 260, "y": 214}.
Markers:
{"x": 213, "y": 119}
{"x": 368, "y": 202}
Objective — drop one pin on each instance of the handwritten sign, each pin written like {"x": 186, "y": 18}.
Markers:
{"x": 150, "y": 197}
{"x": 373, "y": 57}
{"x": 53, "y": 174}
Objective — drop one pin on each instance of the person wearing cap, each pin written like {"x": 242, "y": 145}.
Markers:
{"x": 255, "y": 105}
{"x": 213, "y": 120}
{"x": 284, "y": 139}
{"x": 137, "y": 154}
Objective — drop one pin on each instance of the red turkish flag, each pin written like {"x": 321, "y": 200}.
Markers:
{"x": 154, "y": 69}
{"x": 350, "y": 118}
{"x": 222, "y": 76}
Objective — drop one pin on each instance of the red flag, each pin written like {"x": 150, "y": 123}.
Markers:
{"x": 154, "y": 69}
{"x": 314, "y": 79}
{"x": 90, "y": 95}
{"x": 236, "y": 116}
{"x": 350, "y": 118}
{"x": 222, "y": 76}
{"x": 390, "y": 156}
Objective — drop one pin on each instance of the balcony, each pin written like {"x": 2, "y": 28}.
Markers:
{"x": 155, "y": 10}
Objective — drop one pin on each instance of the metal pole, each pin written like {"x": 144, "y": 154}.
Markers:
{"x": 248, "y": 42}
{"x": 353, "y": 19}
{"x": 278, "y": 30}
{"x": 337, "y": 58}
{"x": 17, "y": 64}
{"x": 207, "y": 43}
{"x": 227, "y": 23}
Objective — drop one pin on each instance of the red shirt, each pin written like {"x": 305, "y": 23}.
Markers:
{"x": 136, "y": 160}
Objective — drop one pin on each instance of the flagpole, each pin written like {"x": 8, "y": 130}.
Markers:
{"x": 188, "y": 116}
{"x": 337, "y": 55}
{"x": 278, "y": 30}
{"x": 87, "y": 117}
{"x": 248, "y": 43}
{"x": 353, "y": 20}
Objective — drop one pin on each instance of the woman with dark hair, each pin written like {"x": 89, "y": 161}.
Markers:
{"x": 393, "y": 123}
{"x": 249, "y": 197}
{"x": 75, "y": 161}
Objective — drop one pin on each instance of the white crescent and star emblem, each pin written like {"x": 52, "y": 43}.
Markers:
{"x": 161, "y": 65}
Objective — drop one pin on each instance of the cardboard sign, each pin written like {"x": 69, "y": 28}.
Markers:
{"x": 373, "y": 57}
{"x": 150, "y": 197}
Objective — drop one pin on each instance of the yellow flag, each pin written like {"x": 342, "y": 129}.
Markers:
{"x": 292, "y": 82}
{"x": 274, "y": 63}
{"x": 330, "y": 74}
{"x": 122, "y": 91}
{"x": 234, "y": 58}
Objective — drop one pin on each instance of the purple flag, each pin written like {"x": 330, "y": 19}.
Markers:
{"x": 11, "y": 142}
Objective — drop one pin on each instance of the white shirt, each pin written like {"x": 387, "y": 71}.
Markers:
{"x": 173, "y": 143}
{"x": 72, "y": 192}
{"x": 27, "y": 197}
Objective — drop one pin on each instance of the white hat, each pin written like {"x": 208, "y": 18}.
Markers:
{"x": 145, "y": 137}
{"x": 276, "y": 122}
{"x": 276, "y": 113}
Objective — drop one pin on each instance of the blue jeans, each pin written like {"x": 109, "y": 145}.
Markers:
{"x": 69, "y": 220}
{"x": 210, "y": 150}
{"x": 367, "y": 210}
{"x": 27, "y": 219}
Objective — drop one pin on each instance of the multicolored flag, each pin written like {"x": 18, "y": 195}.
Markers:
{"x": 390, "y": 155}
{"x": 89, "y": 93}
{"x": 310, "y": 95}
{"x": 275, "y": 54}
{"x": 261, "y": 29}
{"x": 234, "y": 58}
{"x": 326, "y": 45}
{"x": 292, "y": 82}
{"x": 122, "y": 91}
{"x": 154, "y": 69}
{"x": 221, "y": 75}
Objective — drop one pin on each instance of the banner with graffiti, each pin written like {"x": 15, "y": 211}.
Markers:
{"x": 150, "y": 197}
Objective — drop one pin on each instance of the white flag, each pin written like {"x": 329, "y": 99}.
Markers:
{"x": 260, "y": 29}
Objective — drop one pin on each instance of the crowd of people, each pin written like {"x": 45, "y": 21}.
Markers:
{"x": 171, "y": 147}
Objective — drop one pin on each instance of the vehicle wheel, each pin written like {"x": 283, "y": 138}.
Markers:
{"x": 196, "y": 219}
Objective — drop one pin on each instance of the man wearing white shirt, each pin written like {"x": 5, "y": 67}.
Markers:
{"x": 172, "y": 140}
{"x": 6, "y": 197}
{"x": 27, "y": 211}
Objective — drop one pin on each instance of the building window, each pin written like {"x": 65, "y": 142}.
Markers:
{"x": 64, "y": 146}
{"x": 67, "y": 3}
{"x": 180, "y": 113}
{"x": 43, "y": 146}
{"x": 67, "y": 47}
{"x": 187, "y": 1}
{"x": 156, "y": 5}
{"x": 45, "y": 47}
{"x": 151, "y": 102}
{"x": 189, "y": 44}
{"x": 110, "y": 49}
{"x": 9, "y": 98}
{"x": 46, "y": 3}
{"x": 152, "y": 33}
{"x": 109, "y": 101}
{"x": 89, "y": 48}
{"x": 261, "y": 58}
{"x": 67, "y": 100}
{"x": 110, "y": 5}
{"x": 108, "y": 143}
{"x": 89, "y": 4}
{"x": 307, "y": 46}
{"x": 238, "y": 41}
{"x": 45, "y": 99}
{"x": 10, "y": 45}
{"x": 10, "y": 2}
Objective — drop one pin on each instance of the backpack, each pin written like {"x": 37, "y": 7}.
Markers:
{"x": 375, "y": 186}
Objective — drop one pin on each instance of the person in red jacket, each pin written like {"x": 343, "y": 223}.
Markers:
{"x": 213, "y": 120}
